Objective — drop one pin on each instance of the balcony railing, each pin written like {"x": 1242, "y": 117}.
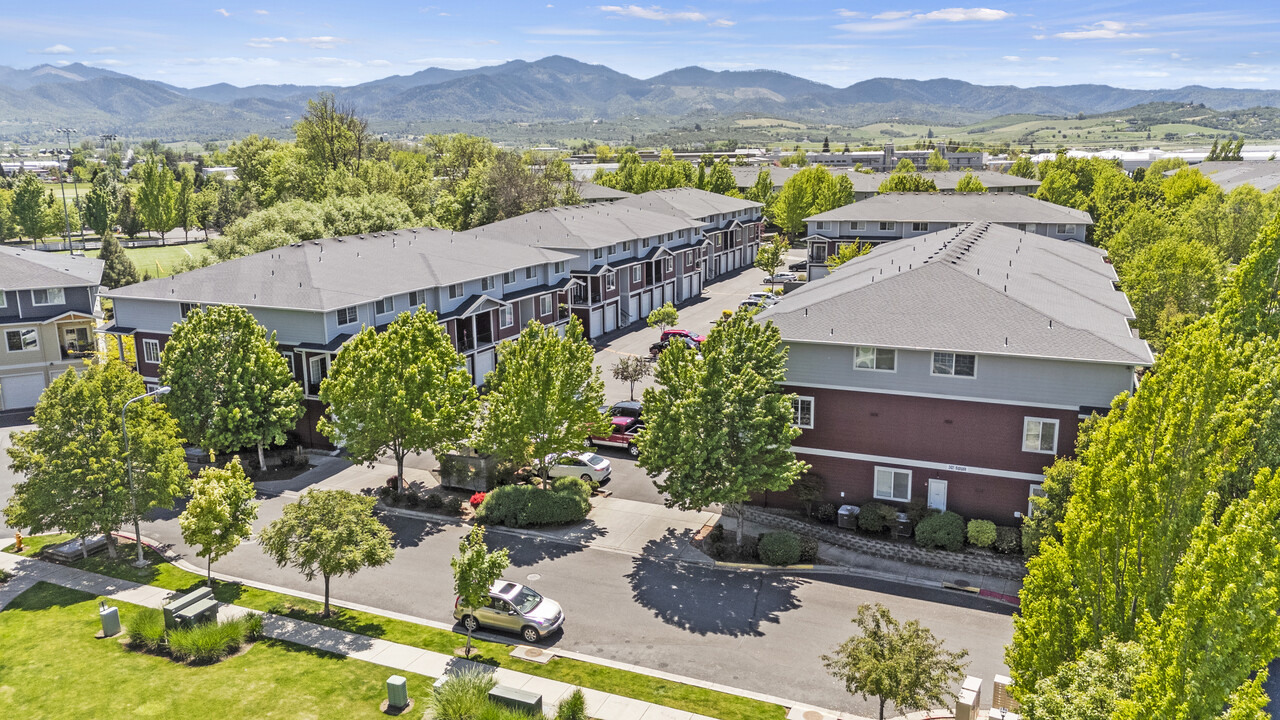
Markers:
{"x": 71, "y": 351}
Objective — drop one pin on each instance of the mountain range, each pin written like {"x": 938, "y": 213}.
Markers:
{"x": 553, "y": 89}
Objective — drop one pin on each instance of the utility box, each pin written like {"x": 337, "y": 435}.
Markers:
{"x": 966, "y": 706}
{"x": 847, "y": 516}
{"x": 397, "y": 692}
{"x": 1002, "y": 694}
{"x": 110, "y": 618}
{"x": 974, "y": 685}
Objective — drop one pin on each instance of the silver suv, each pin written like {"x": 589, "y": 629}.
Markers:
{"x": 515, "y": 608}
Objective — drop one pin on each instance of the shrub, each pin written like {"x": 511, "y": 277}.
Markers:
{"x": 918, "y": 510}
{"x": 982, "y": 533}
{"x": 779, "y": 548}
{"x": 1008, "y": 540}
{"x": 716, "y": 535}
{"x": 568, "y": 501}
{"x": 876, "y": 517}
{"x": 432, "y": 502}
{"x": 944, "y": 530}
{"x": 460, "y": 695}
{"x": 573, "y": 707}
{"x": 208, "y": 641}
{"x": 146, "y": 628}
{"x": 808, "y": 549}
{"x": 476, "y": 499}
{"x": 252, "y": 626}
{"x": 825, "y": 513}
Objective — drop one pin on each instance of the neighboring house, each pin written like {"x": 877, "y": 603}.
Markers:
{"x": 952, "y": 369}
{"x": 316, "y": 295}
{"x": 907, "y": 215}
{"x": 48, "y": 311}
{"x": 731, "y": 229}
{"x": 625, "y": 260}
{"x": 1229, "y": 175}
{"x": 887, "y": 158}
{"x": 866, "y": 185}
{"x": 593, "y": 193}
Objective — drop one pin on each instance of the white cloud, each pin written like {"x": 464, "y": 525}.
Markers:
{"x": 105, "y": 63}
{"x": 1247, "y": 78}
{"x": 892, "y": 15}
{"x": 323, "y": 42}
{"x": 564, "y": 31}
{"x": 223, "y": 12}
{"x": 893, "y": 20}
{"x": 1143, "y": 51}
{"x": 1012, "y": 58}
{"x": 104, "y": 51}
{"x": 965, "y": 15}
{"x": 261, "y": 12}
{"x": 1104, "y": 30}
{"x": 850, "y": 13}
{"x": 1151, "y": 73}
{"x": 1047, "y": 58}
{"x": 653, "y": 12}
{"x": 378, "y": 63}
{"x": 58, "y": 49}
{"x": 722, "y": 23}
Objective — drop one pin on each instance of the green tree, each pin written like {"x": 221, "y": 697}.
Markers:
{"x": 846, "y": 252}
{"x": 157, "y": 193}
{"x": 117, "y": 269}
{"x": 544, "y": 396}
{"x": 8, "y": 225}
{"x": 100, "y": 205}
{"x": 1170, "y": 284}
{"x": 475, "y": 570}
{"x": 894, "y": 662}
{"x": 328, "y": 533}
{"x": 631, "y": 369}
{"x": 771, "y": 256}
{"x": 904, "y": 166}
{"x": 29, "y": 206}
{"x": 231, "y": 386}
{"x": 1023, "y": 168}
{"x": 729, "y": 400}
{"x": 761, "y": 190}
{"x": 936, "y": 163}
{"x": 970, "y": 183}
{"x": 289, "y": 222}
{"x": 332, "y": 135}
{"x": 1090, "y": 688}
{"x": 73, "y": 463}
{"x": 826, "y": 144}
{"x": 907, "y": 182}
{"x": 184, "y": 204}
{"x": 721, "y": 180}
{"x": 809, "y": 192}
{"x": 663, "y": 317}
{"x": 220, "y": 513}
{"x": 398, "y": 392}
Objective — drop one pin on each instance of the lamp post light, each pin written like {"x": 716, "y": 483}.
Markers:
{"x": 128, "y": 460}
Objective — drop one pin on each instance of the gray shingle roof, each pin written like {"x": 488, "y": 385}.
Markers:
{"x": 982, "y": 288}
{"x": 579, "y": 227}
{"x": 957, "y": 208}
{"x": 1264, "y": 176}
{"x": 338, "y": 272}
{"x": 590, "y": 192}
{"x": 27, "y": 269}
{"x": 688, "y": 202}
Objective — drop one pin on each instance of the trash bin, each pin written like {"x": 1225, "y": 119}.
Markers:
{"x": 847, "y": 516}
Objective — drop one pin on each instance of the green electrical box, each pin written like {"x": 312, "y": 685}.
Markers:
{"x": 397, "y": 692}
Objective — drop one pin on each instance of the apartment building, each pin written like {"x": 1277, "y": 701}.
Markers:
{"x": 731, "y": 229}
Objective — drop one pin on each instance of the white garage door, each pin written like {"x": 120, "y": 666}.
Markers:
{"x": 670, "y": 294}
{"x": 21, "y": 391}
{"x": 633, "y": 308}
{"x": 646, "y": 303}
{"x": 597, "y": 323}
{"x": 697, "y": 285}
{"x": 611, "y": 317}
{"x": 484, "y": 365}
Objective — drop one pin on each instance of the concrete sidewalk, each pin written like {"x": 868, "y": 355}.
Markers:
{"x": 395, "y": 656}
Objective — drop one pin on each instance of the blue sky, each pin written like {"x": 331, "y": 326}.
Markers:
{"x": 1140, "y": 44}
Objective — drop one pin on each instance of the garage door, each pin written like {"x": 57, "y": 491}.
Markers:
{"x": 697, "y": 285}
{"x": 670, "y": 294}
{"x": 484, "y": 364}
{"x": 21, "y": 391}
{"x": 688, "y": 287}
{"x": 646, "y": 303}
{"x": 597, "y": 323}
{"x": 633, "y": 308}
{"x": 611, "y": 317}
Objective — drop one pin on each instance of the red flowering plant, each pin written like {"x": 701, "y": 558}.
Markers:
{"x": 477, "y": 499}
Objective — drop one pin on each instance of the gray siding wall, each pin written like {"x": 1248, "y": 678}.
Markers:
{"x": 151, "y": 315}
{"x": 1000, "y": 378}
{"x": 291, "y": 326}
{"x": 10, "y": 310}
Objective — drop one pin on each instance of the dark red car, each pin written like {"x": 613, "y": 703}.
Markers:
{"x": 622, "y": 435}
{"x": 668, "y": 334}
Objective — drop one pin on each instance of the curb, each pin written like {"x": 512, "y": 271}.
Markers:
{"x": 761, "y": 566}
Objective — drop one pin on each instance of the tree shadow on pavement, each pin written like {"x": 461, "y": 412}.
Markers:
{"x": 706, "y": 600}
{"x": 527, "y": 550}
{"x": 409, "y": 532}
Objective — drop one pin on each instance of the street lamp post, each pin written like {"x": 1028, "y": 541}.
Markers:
{"x": 128, "y": 460}
{"x": 65, "y": 215}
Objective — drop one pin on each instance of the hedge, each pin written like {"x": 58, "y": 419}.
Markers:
{"x": 982, "y": 533}
{"x": 875, "y": 517}
{"x": 945, "y": 530}
{"x": 568, "y": 501}
{"x": 779, "y": 548}
{"x": 1008, "y": 540}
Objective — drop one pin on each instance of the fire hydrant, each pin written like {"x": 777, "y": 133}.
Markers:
{"x": 17, "y": 536}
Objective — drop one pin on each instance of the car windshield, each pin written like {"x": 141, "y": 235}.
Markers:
{"x": 526, "y": 600}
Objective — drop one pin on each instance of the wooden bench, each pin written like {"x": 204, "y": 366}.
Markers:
{"x": 187, "y": 610}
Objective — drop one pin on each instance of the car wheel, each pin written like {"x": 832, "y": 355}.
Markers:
{"x": 470, "y": 623}
{"x": 530, "y": 634}
{"x": 586, "y": 478}
{"x": 633, "y": 451}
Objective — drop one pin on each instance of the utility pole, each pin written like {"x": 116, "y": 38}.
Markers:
{"x": 63, "y": 181}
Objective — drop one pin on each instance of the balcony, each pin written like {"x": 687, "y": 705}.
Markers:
{"x": 73, "y": 351}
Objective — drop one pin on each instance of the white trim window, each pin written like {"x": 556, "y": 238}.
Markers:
{"x": 21, "y": 339}
{"x": 48, "y": 296}
{"x": 893, "y": 484}
{"x": 151, "y": 351}
{"x": 506, "y": 316}
{"x": 347, "y": 315}
{"x": 803, "y": 407}
{"x": 417, "y": 297}
{"x": 688, "y": 258}
{"x": 857, "y": 226}
{"x": 819, "y": 225}
{"x": 874, "y": 358}
{"x": 288, "y": 360}
{"x": 1040, "y": 435}
{"x": 610, "y": 280}
{"x": 544, "y": 304}
{"x": 382, "y": 306}
{"x": 668, "y": 265}
{"x": 954, "y": 364}
{"x": 644, "y": 243}
{"x": 626, "y": 246}
{"x": 597, "y": 254}
{"x": 488, "y": 283}
{"x": 559, "y": 268}
{"x": 1036, "y": 491}
{"x": 919, "y": 227}
{"x": 185, "y": 309}
{"x": 531, "y": 272}
{"x": 509, "y": 278}
{"x": 886, "y": 226}
{"x": 637, "y": 274}
{"x": 4, "y": 299}
{"x": 455, "y": 291}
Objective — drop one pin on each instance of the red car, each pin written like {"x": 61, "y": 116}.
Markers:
{"x": 666, "y": 334}
{"x": 622, "y": 434}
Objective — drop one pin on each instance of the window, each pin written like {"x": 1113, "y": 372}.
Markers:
{"x": 719, "y": 240}
{"x": 871, "y": 358}
{"x": 347, "y": 315}
{"x": 597, "y": 253}
{"x": 382, "y": 306}
{"x": 637, "y": 274}
{"x": 509, "y": 278}
{"x": 21, "y": 339}
{"x": 1039, "y": 435}
{"x": 51, "y": 296}
{"x": 417, "y": 297}
{"x": 818, "y": 253}
{"x": 288, "y": 360}
{"x": 1037, "y": 491}
{"x": 957, "y": 364}
{"x": 506, "y": 317}
{"x": 885, "y": 225}
{"x": 1022, "y": 227}
{"x": 644, "y": 243}
{"x": 544, "y": 305}
{"x": 4, "y": 299}
{"x": 559, "y": 267}
{"x": 626, "y": 246}
{"x": 669, "y": 264}
{"x": 319, "y": 370}
{"x": 151, "y": 351}
{"x": 919, "y": 227}
{"x": 531, "y": 272}
{"x": 610, "y": 280}
{"x": 688, "y": 259}
{"x": 668, "y": 237}
{"x": 803, "y": 407}
{"x": 893, "y": 484}
{"x": 820, "y": 225}
{"x": 455, "y": 291}
{"x": 487, "y": 283}
{"x": 857, "y": 225}
{"x": 186, "y": 308}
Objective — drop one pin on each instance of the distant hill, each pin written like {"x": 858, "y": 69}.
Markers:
{"x": 553, "y": 89}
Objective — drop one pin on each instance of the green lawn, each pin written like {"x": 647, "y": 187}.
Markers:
{"x": 597, "y": 677}
{"x": 53, "y": 667}
{"x": 160, "y": 261}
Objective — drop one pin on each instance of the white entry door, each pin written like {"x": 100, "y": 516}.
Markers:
{"x": 938, "y": 494}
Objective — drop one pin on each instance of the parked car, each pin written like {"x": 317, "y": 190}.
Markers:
{"x": 675, "y": 332}
{"x": 622, "y": 434}
{"x": 515, "y": 608}
{"x": 753, "y": 304}
{"x": 782, "y": 277}
{"x": 626, "y": 409}
{"x": 765, "y": 297}
{"x": 802, "y": 266}
{"x": 656, "y": 349}
{"x": 589, "y": 466}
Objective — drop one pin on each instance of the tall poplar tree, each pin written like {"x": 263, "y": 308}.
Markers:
{"x": 157, "y": 195}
